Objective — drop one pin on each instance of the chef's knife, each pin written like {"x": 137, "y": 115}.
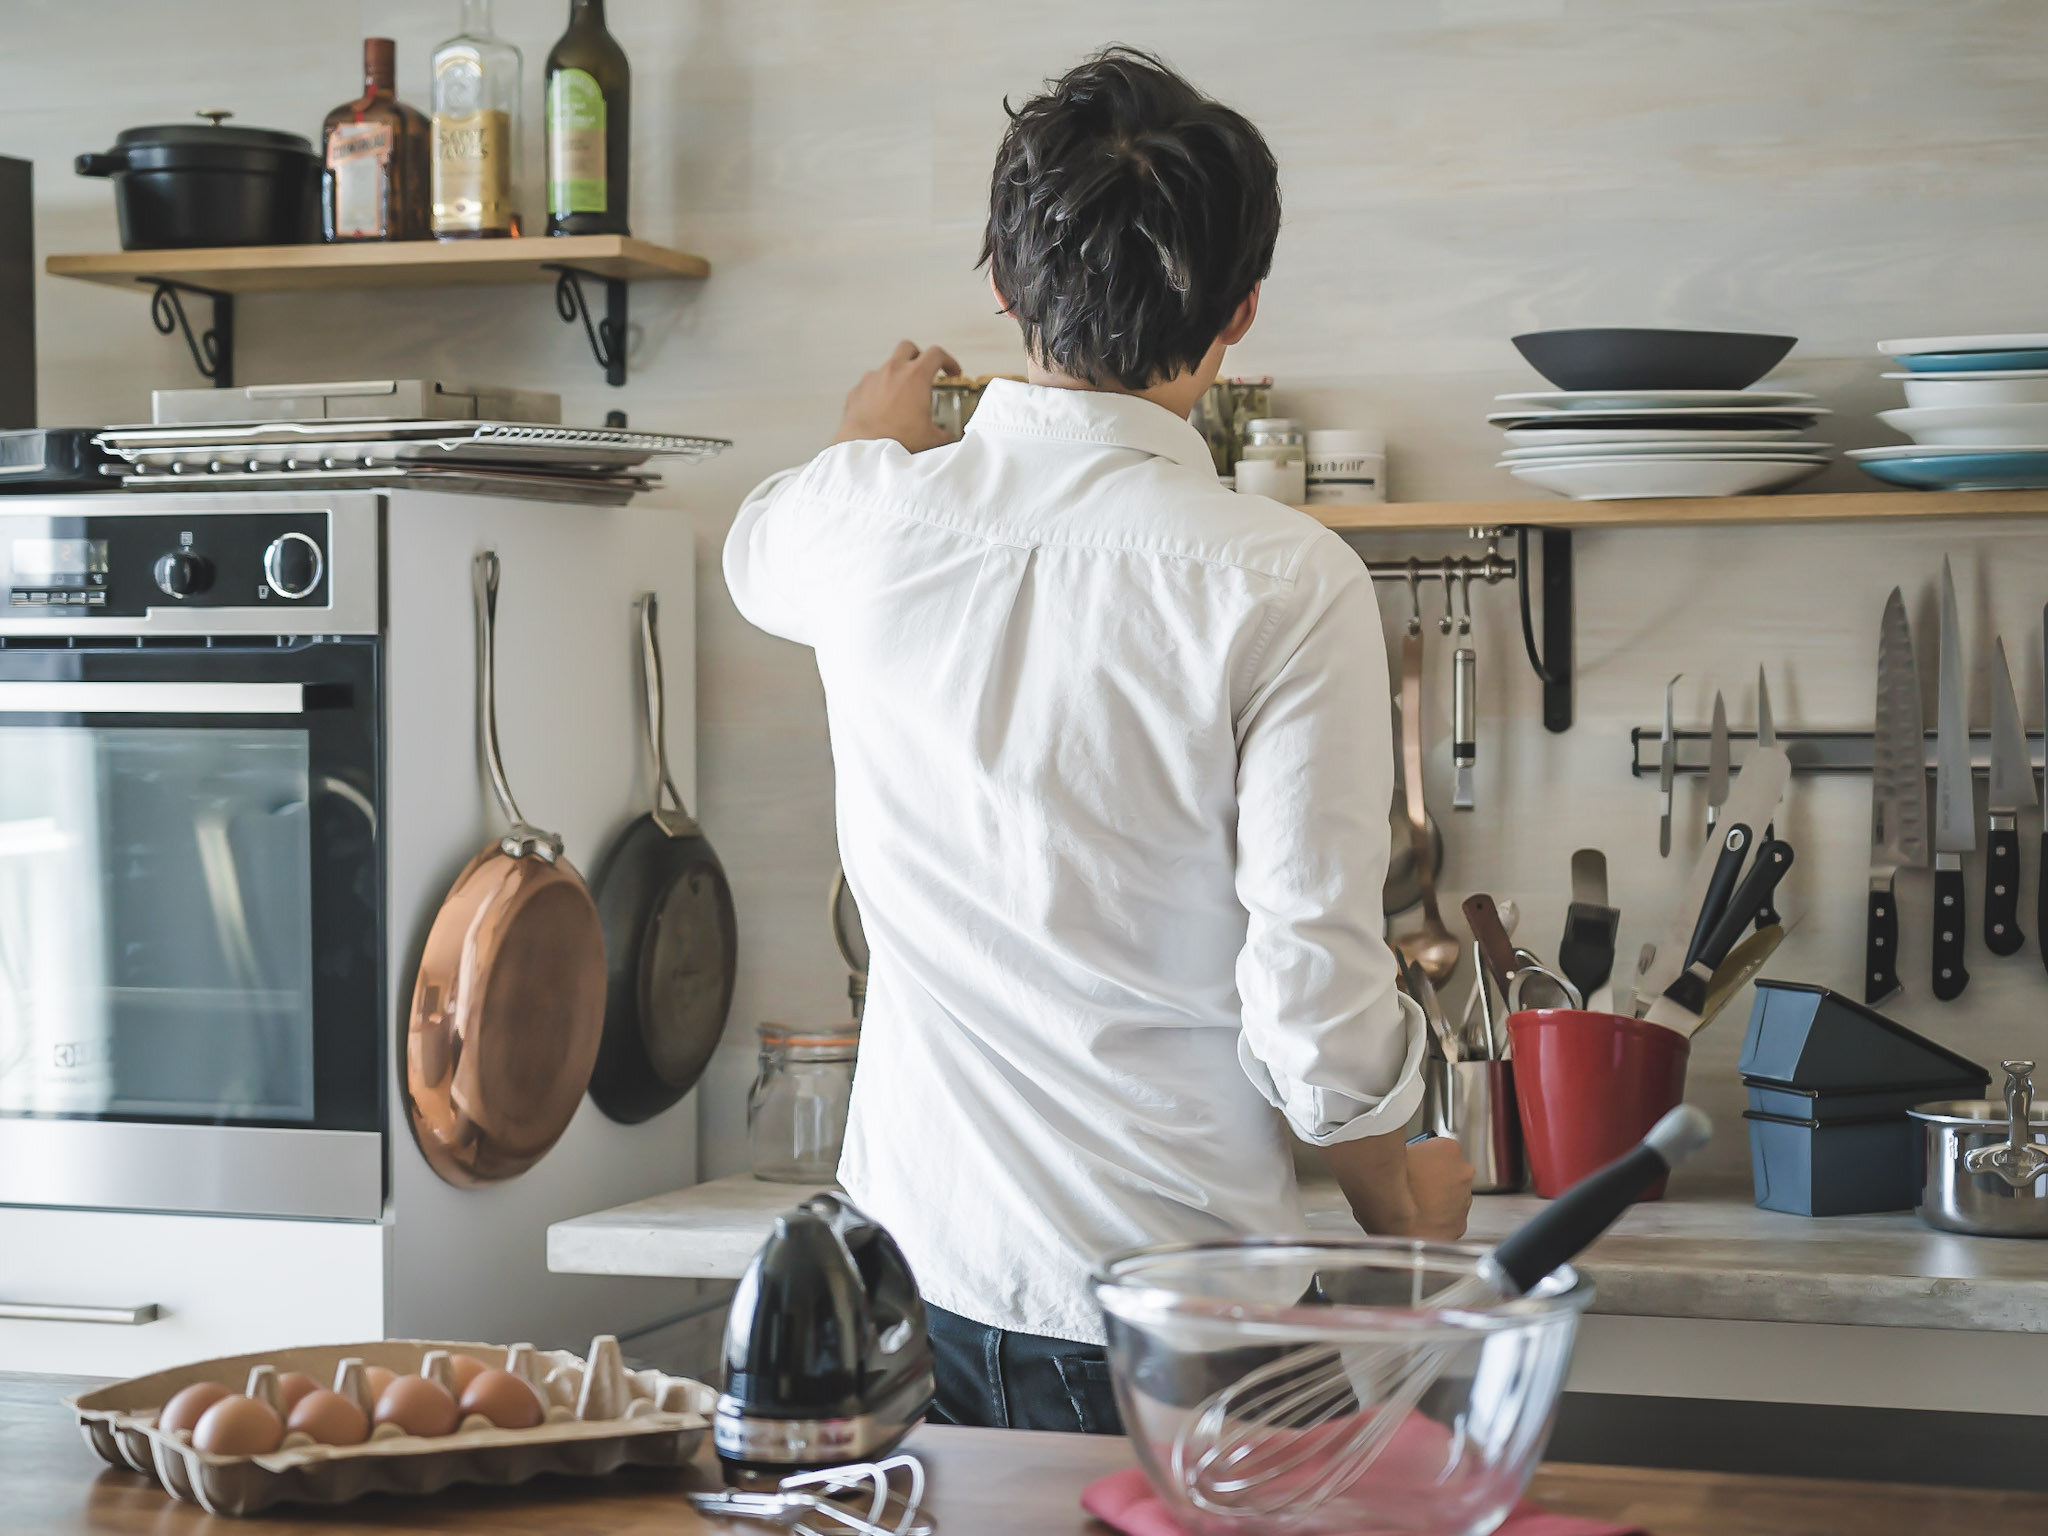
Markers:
{"x": 1667, "y": 772}
{"x": 1683, "y": 1004}
{"x": 2012, "y": 790}
{"x": 1898, "y": 796}
{"x": 1955, "y": 802}
{"x": 1766, "y": 736}
{"x": 1586, "y": 952}
{"x": 1717, "y": 763}
{"x": 1727, "y": 870}
{"x": 1752, "y": 802}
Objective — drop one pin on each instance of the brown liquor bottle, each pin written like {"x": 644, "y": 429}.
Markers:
{"x": 374, "y": 156}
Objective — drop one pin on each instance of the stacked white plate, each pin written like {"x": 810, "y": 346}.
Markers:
{"x": 1976, "y": 410}
{"x": 1612, "y": 445}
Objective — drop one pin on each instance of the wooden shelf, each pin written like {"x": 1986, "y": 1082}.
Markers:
{"x": 1677, "y": 512}
{"x": 398, "y": 264}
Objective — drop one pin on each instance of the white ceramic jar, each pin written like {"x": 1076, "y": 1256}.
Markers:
{"x": 1346, "y": 465}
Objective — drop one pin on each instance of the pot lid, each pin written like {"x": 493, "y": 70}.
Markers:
{"x": 212, "y": 132}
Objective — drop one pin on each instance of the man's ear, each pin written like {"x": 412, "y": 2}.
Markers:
{"x": 1241, "y": 321}
{"x": 1002, "y": 303}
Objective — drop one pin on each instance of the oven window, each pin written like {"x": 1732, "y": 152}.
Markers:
{"x": 156, "y": 954}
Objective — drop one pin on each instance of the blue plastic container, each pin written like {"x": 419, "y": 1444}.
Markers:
{"x": 1804, "y": 1036}
{"x": 1839, "y": 1168}
{"x": 1827, "y": 1106}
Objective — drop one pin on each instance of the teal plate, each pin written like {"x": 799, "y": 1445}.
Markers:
{"x": 1987, "y": 471}
{"x": 1971, "y": 362}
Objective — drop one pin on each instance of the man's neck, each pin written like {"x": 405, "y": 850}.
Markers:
{"x": 1177, "y": 394}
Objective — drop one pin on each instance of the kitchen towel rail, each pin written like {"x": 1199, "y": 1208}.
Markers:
{"x": 1842, "y": 751}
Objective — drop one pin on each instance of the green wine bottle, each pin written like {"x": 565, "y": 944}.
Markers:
{"x": 589, "y": 96}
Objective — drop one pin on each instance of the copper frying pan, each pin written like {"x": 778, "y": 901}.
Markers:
{"x": 509, "y": 1002}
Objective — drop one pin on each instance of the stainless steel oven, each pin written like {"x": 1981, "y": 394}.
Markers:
{"x": 191, "y": 875}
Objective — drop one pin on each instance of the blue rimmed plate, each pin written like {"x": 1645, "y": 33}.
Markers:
{"x": 1973, "y": 362}
{"x": 1990, "y": 470}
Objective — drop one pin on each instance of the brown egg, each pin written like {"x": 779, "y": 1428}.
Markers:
{"x": 506, "y": 1400}
{"x": 376, "y": 1378}
{"x": 183, "y": 1410}
{"x": 418, "y": 1406}
{"x": 292, "y": 1386}
{"x": 238, "y": 1426}
{"x": 329, "y": 1418}
{"x": 466, "y": 1368}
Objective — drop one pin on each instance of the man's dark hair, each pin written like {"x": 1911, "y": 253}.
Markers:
{"x": 1129, "y": 215}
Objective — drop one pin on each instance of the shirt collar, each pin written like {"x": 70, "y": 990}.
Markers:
{"x": 1090, "y": 416}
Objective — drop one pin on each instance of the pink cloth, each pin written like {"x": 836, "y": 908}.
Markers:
{"x": 1126, "y": 1501}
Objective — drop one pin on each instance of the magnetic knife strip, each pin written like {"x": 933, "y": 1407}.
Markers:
{"x": 1810, "y": 751}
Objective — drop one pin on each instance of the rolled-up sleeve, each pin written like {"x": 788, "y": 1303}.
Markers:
{"x": 1327, "y": 1037}
{"x": 767, "y": 557}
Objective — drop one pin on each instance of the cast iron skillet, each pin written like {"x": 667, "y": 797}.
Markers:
{"x": 670, "y": 937}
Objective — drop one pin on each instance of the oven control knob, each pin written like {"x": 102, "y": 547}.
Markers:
{"x": 182, "y": 574}
{"x": 292, "y": 565}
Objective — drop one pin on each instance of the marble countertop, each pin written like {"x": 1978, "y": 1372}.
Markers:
{"x": 1702, "y": 1253}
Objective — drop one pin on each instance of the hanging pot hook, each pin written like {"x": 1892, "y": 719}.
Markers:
{"x": 1414, "y": 595}
{"x": 1446, "y": 623}
{"x": 1465, "y": 593}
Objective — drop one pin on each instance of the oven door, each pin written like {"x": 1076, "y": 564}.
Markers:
{"x": 191, "y": 1013}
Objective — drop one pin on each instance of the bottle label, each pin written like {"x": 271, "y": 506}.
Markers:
{"x": 472, "y": 172}
{"x": 575, "y": 143}
{"x": 359, "y": 161}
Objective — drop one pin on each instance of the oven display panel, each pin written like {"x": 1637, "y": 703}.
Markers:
{"x": 59, "y": 571}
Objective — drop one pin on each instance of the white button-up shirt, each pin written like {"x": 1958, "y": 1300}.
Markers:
{"x": 1113, "y": 767}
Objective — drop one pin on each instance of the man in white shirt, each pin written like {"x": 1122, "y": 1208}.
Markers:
{"x": 1113, "y": 767}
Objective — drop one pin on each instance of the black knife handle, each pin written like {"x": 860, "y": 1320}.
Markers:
{"x": 1768, "y": 917}
{"x": 2042, "y": 897}
{"x": 1951, "y": 917}
{"x": 1720, "y": 886}
{"x": 2002, "y": 934}
{"x": 1881, "y": 947}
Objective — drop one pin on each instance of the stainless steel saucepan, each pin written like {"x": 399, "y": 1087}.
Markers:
{"x": 1987, "y": 1163}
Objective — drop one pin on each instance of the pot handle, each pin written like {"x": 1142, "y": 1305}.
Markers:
{"x": 100, "y": 165}
{"x": 2019, "y": 1159}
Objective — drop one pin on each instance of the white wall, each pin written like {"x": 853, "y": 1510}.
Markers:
{"x": 1454, "y": 172}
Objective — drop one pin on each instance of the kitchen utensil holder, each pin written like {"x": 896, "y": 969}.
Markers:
{"x": 1809, "y": 751}
{"x": 1553, "y": 662}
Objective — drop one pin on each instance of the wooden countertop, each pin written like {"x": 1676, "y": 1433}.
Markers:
{"x": 1700, "y": 1254}
{"x": 983, "y": 1483}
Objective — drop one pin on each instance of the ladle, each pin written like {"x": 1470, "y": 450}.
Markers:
{"x": 1432, "y": 947}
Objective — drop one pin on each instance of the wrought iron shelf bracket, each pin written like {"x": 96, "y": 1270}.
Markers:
{"x": 607, "y": 336}
{"x": 213, "y": 350}
{"x": 1809, "y": 751}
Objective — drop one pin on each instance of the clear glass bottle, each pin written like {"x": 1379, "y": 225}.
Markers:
{"x": 373, "y": 157}
{"x": 476, "y": 131}
{"x": 588, "y": 99}
{"x": 796, "y": 1113}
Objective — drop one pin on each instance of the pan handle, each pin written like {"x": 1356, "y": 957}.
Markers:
{"x": 669, "y": 813}
{"x": 523, "y": 838}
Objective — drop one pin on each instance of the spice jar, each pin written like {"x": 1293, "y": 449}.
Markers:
{"x": 796, "y": 1113}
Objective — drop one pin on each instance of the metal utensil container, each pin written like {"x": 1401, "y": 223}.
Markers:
{"x": 1473, "y": 1103}
{"x": 1986, "y": 1163}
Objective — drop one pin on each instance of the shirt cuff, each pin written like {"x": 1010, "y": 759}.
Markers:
{"x": 1323, "y": 1117}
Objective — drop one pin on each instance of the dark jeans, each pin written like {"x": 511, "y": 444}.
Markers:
{"x": 1001, "y": 1380}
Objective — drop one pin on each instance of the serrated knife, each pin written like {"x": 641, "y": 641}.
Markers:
{"x": 1955, "y": 802}
{"x": 1898, "y": 796}
{"x": 1717, "y": 764}
{"x": 2012, "y": 791}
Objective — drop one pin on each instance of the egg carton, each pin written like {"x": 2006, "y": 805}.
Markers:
{"x": 599, "y": 1416}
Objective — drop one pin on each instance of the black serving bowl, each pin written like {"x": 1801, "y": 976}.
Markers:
{"x": 1624, "y": 357}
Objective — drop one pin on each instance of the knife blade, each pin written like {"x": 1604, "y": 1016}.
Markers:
{"x": 1717, "y": 763}
{"x": 1667, "y": 772}
{"x": 1682, "y": 1005}
{"x": 1766, "y": 736}
{"x": 1898, "y": 796}
{"x": 2012, "y": 791}
{"x": 1955, "y": 801}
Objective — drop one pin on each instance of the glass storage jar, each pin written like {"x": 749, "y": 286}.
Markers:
{"x": 796, "y": 1113}
{"x": 1274, "y": 437}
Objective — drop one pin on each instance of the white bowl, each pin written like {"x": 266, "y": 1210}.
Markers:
{"x": 2011, "y": 387}
{"x": 2017, "y": 341}
{"x": 1978, "y": 426}
{"x": 1633, "y": 479}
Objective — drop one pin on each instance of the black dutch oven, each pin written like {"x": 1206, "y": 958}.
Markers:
{"x": 203, "y": 184}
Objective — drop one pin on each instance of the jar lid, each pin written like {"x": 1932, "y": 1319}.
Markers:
{"x": 1273, "y": 424}
{"x": 798, "y": 1037}
{"x": 1346, "y": 440}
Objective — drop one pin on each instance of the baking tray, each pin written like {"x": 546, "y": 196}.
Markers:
{"x": 596, "y": 447}
{"x": 662, "y": 1424}
{"x": 600, "y": 490}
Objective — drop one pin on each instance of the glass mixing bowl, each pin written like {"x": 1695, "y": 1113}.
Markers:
{"x": 1318, "y": 1386}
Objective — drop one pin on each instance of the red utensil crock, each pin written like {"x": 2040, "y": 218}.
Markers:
{"x": 1589, "y": 1086}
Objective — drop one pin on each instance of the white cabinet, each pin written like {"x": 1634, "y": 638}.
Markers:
{"x": 221, "y": 1286}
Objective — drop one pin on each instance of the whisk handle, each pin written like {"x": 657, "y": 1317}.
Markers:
{"x": 1569, "y": 1224}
